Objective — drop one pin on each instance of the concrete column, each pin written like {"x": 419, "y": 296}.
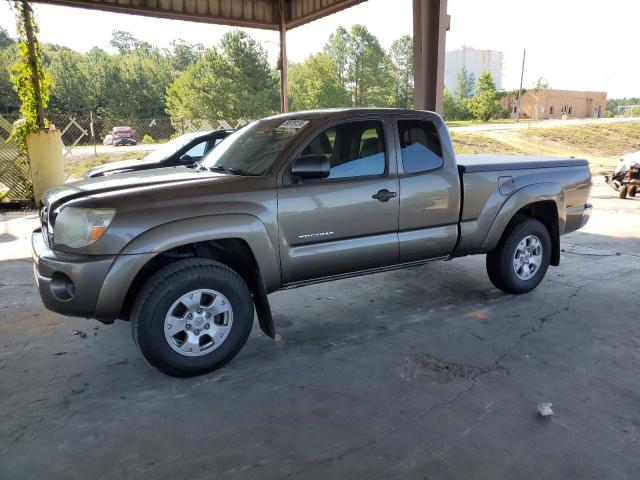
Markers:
{"x": 430, "y": 25}
{"x": 284, "y": 82}
{"x": 45, "y": 158}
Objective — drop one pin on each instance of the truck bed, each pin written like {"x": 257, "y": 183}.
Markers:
{"x": 489, "y": 181}
{"x": 490, "y": 163}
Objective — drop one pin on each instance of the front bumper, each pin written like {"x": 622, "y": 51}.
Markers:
{"x": 69, "y": 284}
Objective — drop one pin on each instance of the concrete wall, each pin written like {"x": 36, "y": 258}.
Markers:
{"x": 475, "y": 61}
{"x": 549, "y": 103}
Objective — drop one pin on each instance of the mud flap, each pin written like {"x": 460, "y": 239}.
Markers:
{"x": 263, "y": 309}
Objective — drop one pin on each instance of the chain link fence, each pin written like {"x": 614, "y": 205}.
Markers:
{"x": 85, "y": 140}
{"x": 87, "y": 130}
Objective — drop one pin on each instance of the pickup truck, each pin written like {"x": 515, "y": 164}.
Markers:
{"x": 186, "y": 253}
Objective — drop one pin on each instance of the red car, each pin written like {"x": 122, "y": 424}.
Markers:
{"x": 123, "y": 136}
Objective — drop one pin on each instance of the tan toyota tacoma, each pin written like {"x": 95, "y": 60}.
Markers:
{"x": 186, "y": 253}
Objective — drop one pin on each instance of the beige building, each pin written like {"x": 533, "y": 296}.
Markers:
{"x": 549, "y": 103}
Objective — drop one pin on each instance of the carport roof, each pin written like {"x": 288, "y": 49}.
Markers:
{"x": 241, "y": 13}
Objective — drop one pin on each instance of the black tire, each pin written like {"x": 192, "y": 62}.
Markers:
{"x": 623, "y": 192}
{"x": 632, "y": 191}
{"x": 500, "y": 260}
{"x": 168, "y": 285}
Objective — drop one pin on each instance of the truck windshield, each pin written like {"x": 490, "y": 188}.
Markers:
{"x": 253, "y": 149}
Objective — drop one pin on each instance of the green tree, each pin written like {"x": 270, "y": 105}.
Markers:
{"x": 450, "y": 106}
{"x": 124, "y": 41}
{"x": 614, "y": 103}
{"x": 105, "y": 94}
{"x": 9, "y": 102}
{"x": 315, "y": 84}
{"x": 184, "y": 54}
{"x": 465, "y": 83}
{"x": 368, "y": 71}
{"x": 145, "y": 81}
{"x": 69, "y": 93}
{"x": 338, "y": 50}
{"x": 542, "y": 84}
{"x": 402, "y": 59}
{"x": 484, "y": 105}
{"x": 362, "y": 65}
{"x": 5, "y": 39}
{"x": 233, "y": 81}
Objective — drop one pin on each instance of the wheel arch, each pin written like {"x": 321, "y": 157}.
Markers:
{"x": 542, "y": 201}
{"x": 238, "y": 241}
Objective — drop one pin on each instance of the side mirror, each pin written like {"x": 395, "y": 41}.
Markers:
{"x": 186, "y": 160}
{"x": 311, "y": 167}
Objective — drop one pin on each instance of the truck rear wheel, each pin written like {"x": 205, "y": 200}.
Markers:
{"x": 191, "y": 317}
{"x": 632, "y": 191}
{"x": 521, "y": 259}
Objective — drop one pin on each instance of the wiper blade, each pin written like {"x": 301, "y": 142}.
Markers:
{"x": 231, "y": 170}
{"x": 224, "y": 169}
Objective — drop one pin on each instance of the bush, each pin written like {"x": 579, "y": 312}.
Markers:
{"x": 147, "y": 139}
{"x": 484, "y": 105}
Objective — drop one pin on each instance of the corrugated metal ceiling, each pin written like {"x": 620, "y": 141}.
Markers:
{"x": 243, "y": 13}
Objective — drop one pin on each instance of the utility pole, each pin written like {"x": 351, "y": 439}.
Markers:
{"x": 93, "y": 135}
{"x": 524, "y": 55}
{"x": 28, "y": 28}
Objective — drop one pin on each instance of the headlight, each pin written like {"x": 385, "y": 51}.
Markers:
{"x": 78, "y": 227}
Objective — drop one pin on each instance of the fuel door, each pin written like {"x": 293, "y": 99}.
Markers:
{"x": 506, "y": 185}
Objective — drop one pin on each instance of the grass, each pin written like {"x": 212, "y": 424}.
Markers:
{"x": 604, "y": 140}
{"x": 479, "y": 143}
{"x": 495, "y": 121}
{"x": 75, "y": 168}
{"x": 602, "y": 144}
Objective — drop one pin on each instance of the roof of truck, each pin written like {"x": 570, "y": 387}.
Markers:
{"x": 313, "y": 114}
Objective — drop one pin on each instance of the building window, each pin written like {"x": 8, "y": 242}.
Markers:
{"x": 514, "y": 110}
{"x": 550, "y": 110}
{"x": 570, "y": 110}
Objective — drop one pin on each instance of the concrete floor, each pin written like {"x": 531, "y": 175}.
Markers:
{"x": 428, "y": 373}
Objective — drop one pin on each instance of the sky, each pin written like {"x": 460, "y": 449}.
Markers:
{"x": 575, "y": 44}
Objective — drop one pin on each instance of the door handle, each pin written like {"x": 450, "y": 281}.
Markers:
{"x": 384, "y": 195}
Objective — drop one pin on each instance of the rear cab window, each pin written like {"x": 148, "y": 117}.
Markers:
{"x": 420, "y": 146}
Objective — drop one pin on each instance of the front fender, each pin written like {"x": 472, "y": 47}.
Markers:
{"x": 183, "y": 232}
{"x": 537, "y": 192}
{"x": 213, "y": 227}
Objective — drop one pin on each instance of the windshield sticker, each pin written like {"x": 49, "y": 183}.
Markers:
{"x": 296, "y": 124}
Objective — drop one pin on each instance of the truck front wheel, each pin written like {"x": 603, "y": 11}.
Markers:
{"x": 191, "y": 317}
{"x": 521, "y": 259}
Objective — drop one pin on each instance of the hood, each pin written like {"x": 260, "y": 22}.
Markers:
{"x": 144, "y": 178}
{"x": 118, "y": 167}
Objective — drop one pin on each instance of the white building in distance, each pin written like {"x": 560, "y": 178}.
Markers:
{"x": 475, "y": 61}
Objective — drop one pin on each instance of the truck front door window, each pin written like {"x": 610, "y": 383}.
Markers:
{"x": 420, "y": 146}
{"x": 355, "y": 149}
